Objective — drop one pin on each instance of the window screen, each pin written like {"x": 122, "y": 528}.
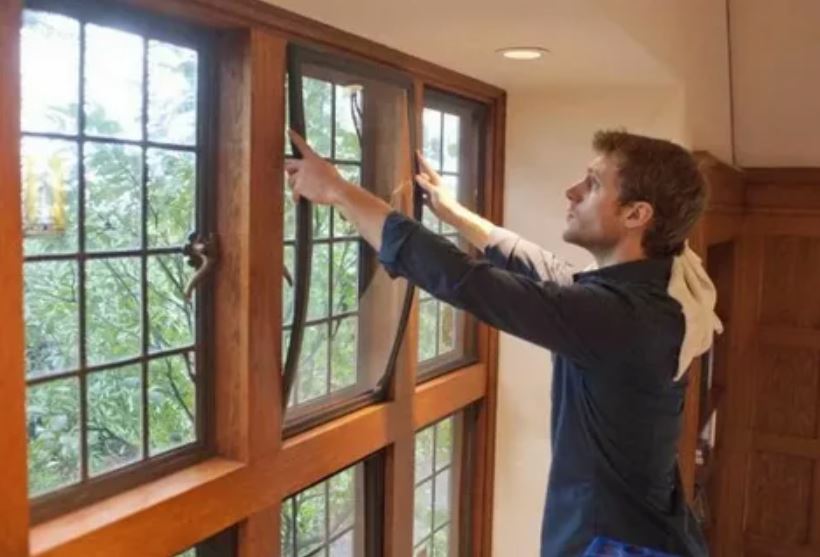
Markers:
{"x": 351, "y": 312}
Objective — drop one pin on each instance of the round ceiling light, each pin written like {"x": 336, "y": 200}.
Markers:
{"x": 523, "y": 52}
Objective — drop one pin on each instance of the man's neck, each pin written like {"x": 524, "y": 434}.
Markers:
{"x": 619, "y": 254}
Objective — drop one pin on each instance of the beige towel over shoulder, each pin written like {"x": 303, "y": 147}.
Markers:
{"x": 695, "y": 292}
{"x": 693, "y": 289}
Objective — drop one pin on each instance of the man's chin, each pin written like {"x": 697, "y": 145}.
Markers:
{"x": 570, "y": 237}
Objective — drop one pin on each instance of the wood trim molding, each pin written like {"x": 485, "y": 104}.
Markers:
{"x": 435, "y": 399}
{"x": 14, "y": 517}
{"x": 122, "y": 522}
{"x": 784, "y": 175}
{"x": 762, "y": 546}
{"x": 797, "y": 337}
{"x": 484, "y": 474}
{"x": 795, "y": 446}
{"x": 762, "y": 224}
{"x": 726, "y": 182}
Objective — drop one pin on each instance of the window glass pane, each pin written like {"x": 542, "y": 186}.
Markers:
{"x": 171, "y": 316}
{"x": 424, "y": 454}
{"x": 312, "y": 381}
{"x": 430, "y": 220}
{"x": 343, "y": 546}
{"x": 113, "y": 206}
{"x": 441, "y": 541}
{"x": 114, "y": 418}
{"x": 427, "y": 329}
{"x": 52, "y": 314}
{"x": 319, "y": 283}
{"x": 321, "y": 221}
{"x": 94, "y": 279}
{"x": 341, "y": 502}
{"x": 171, "y": 196}
{"x": 171, "y": 403}
{"x": 325, "y": 519}
{"x": 446, "y": 329}
{"x": 451, "y": 143}
{"x": 345, "y": 286}
{"x": 53, "y": 423}
{"x": 113, "y": 309}
{"x": 423, "y": 502}
{"x": 444, "y": 443}
{"x": 441, "y": 512}
{"x": 435, "y": 496}
{"x": 113, "y": 84}
{"x": 49, "y": 184}
{"x": 50, "y": 62}
{"x": 172, "y": 93}
{"x": 311, "y": 507}
{"x": 289, "y": 213}
{"x": 287, "y": 288}
{"x": 344, "y": 353}
{"x": 341, "y": 227}
{"x": 432, "y": 120}
{"x": 318, "y": 99}
{"x": 349, "y": 109}
{"x": 451, "y": 184}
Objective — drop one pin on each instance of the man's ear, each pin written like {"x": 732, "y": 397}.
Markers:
{"x": 638, "y": 214}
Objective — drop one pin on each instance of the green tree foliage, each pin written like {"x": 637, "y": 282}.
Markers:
{"x": 113, "y": 295}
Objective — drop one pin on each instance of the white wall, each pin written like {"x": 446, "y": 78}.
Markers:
{"x": 548, "y": 147}
{"x": 776, "y": 72}
{"x": 690, "y": 38}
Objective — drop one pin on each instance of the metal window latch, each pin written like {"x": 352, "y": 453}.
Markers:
{"x": 202, "y": 253}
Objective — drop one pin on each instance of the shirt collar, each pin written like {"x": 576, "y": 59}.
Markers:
{"x": 654, "y": 270}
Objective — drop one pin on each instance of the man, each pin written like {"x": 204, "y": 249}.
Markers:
{"x": 622, "y": 334}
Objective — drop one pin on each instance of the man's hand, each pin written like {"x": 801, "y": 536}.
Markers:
{"x": 442, "y": 202}
{"x": 317, "y": 180}
{"x": 471, "y": 226}
{"x": 312, "y": 177}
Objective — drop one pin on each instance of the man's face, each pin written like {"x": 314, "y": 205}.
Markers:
{"x": 594, "y": 215}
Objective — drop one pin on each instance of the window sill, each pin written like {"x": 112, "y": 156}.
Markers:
{"x": 78, "y": 532}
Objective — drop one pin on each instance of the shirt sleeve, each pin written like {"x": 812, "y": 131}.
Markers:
{"x": 509, "y": 251}
{"x": 581, "y": 321}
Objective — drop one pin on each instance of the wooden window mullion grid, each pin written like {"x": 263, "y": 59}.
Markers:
{"x": 252, "y": 469}
{"x": 90, "y": 486}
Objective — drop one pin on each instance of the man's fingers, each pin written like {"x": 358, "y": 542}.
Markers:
{"x": 424, "y": 182}
{"x": 425, "y": 166}
{"x": 301, "y": 145}
{"x": 293, "y": 166}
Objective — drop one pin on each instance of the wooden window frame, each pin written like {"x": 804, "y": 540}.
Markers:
{"x": 90, "y": 488}
{"x": 253, "y": 468}
{"x": 470, "y": 170}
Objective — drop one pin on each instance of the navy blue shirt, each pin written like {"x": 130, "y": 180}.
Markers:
{"x": 617, "y": 411}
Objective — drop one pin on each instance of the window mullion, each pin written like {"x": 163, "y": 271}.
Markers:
{"x": 81, "y": 263}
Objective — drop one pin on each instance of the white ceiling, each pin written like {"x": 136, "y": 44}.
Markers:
{"x": 587, "y": 46}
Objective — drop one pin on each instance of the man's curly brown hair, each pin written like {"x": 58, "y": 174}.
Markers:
{"x": 663, "y": 174}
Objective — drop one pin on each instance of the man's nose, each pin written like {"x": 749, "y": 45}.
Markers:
{"x": 573, "y": 193}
